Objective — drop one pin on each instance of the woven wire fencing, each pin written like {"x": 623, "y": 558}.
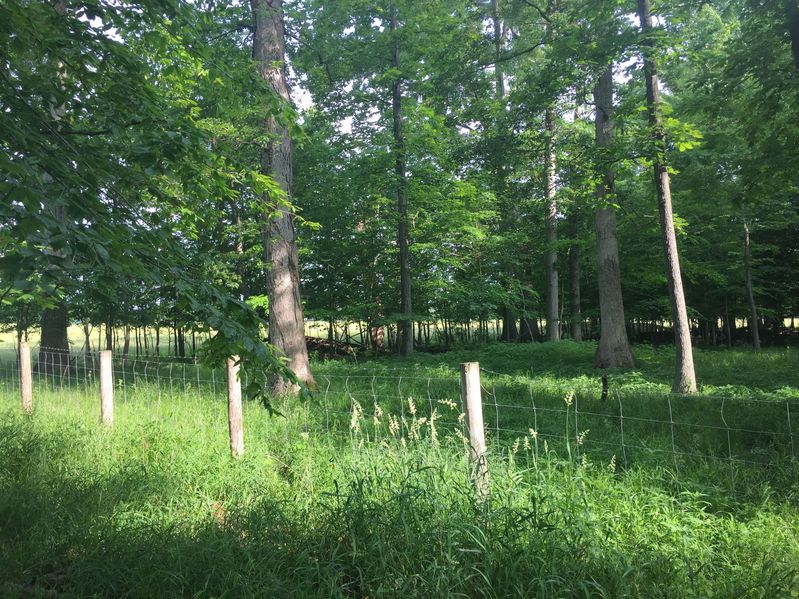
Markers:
{"x": 697, "y": 437}
{"x": 717, "y": 436}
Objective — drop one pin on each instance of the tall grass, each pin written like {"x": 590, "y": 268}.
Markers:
{"x": 343, "y": 503}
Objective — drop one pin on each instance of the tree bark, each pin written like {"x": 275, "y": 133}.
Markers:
{"x": 109, "y": 331}
{"x": 750, "y": 294}
{"x": 575, "y": 274}
{"x": 405, "y": 329}
{"x": 126, "y": 343}
{"x": 576, "y": 250}
{"x": 614, "y": 348}
{"x": 792, "y": 10}
{"x": 553, "y": 312}
{"x": 244, "y": 291}
{"x": 498, "y": 42}
{"x": 54, "y": 342}
{"x": 684, "y": 375}
{"x": 87, "y": 340}
{"x": 286, "y": 323}
{"x": 509, "y": 330}
{"x": 180, "y": 342}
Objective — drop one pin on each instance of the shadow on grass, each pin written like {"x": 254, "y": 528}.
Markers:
{"x": 398, "y": 526}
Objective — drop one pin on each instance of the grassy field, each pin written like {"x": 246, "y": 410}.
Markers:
{"x": 695, "y": 497}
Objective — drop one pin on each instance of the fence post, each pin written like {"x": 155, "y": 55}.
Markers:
{"x": 234, "y": 416}
{"x": 25, "y": 377}
{"x": 107, "y": 387}
{"x": 471, "y": 397}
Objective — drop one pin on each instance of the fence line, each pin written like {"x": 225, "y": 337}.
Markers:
{"x": 643, "y": 428}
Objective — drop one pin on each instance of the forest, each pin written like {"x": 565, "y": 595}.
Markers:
{"x": 424, "y": 173}
{"x": 597, "y": 200}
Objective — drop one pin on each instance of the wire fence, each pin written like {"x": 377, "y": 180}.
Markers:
{"x": 523, "y": 419}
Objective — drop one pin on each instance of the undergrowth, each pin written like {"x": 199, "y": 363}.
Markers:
{"x": 363, "y": 508}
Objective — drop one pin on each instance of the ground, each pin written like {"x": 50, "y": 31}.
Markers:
{"x": 700, "y": 499}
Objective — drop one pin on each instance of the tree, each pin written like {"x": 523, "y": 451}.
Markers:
{"x": 684, "y": 376}
{"x": 112, "y": 193}
{"x": 286, "y": 322}
{"x": 614, "y": 348}
{"x": 553, "y": 313}
{"x": 405, "y": 332}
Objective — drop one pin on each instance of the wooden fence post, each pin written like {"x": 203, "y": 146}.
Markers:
{"x": 471, "y": 397}
{"x": 234, "y": 416}
{"x": 25, "y": 377}
{"x": 107, "y": 387}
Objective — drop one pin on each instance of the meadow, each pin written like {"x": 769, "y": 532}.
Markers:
{"x": 364, "y": 490}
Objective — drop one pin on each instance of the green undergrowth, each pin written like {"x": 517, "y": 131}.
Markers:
{"x": 740, "y": 372}
{"x": 156, "y": 507}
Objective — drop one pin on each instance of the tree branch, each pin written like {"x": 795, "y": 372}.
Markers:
{"x": 511, "y": 55}
{"x": 89, "y": 132}
{"x": 539, "y": 10}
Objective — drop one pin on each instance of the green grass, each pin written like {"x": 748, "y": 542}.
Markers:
{"x": 156, "y": 507}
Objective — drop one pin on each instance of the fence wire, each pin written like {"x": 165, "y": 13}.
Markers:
{"x": 523, "y": 418}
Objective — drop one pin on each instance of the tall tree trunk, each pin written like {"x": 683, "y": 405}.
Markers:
{"x": 244, "y": 291}
{"x": 792, "y": 10}
{"x": 286, "y": 323}
{"x": 750, "y": 294}
{"x": 499, "y": 39}
{"x": 614, "y": 348}
{"x": 553, "y": 312}
{"x": 126, "y": 344}
{"x": 54, "y": 342}
{"x": 575, "y": 268}
{"x": 109, "y": 331}
{"x": 684, "y": 374}
{"x": 509, "y": 330}
{"x": 87, "y": 340}
{"x": 576, "y": 250}
{"x": 405, "y": 331}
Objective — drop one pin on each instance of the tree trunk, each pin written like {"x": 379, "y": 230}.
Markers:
{"x": 244, "y": 291}
{"x": 793, "y": 28}
{"x": 684, "y": 374}
{"x": 126, "y": 346}
{"x": 498, "y": 42}
{"x": 109, "y": 331}
{"x": 553, "y": 312}
{"x": 509, "y": 330}
{"x": 87, "y": 340}
{"x": 750, "y": 294}
{"x": 286, "y": 323}
{"x": 529, "y": 330}
{"x": 614, "y": 348}
{"x": 405, "y": 330}
{"x": 575, "y": 251}
{"x": 180, "y": 341}
{"x": 575, "y": 268}
{"x": 54, "y": 342}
